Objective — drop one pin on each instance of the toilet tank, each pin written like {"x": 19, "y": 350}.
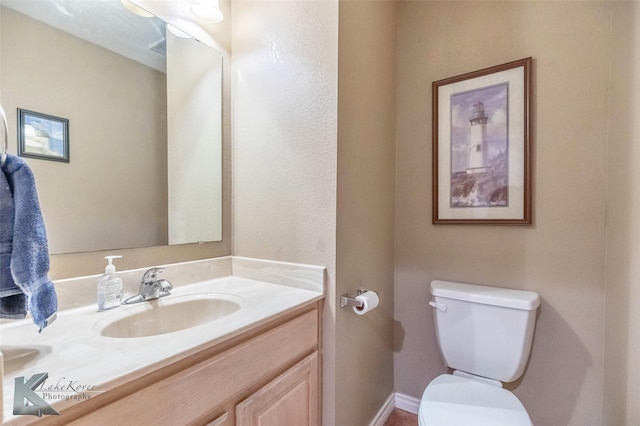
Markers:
{"x": 485, "y": 331}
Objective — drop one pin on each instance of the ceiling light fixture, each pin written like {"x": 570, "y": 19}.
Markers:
{"x": 207, "y": 9}
{"x": 134, "y": 8}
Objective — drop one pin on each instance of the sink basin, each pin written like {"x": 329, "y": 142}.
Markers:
{"x": 20, "y": 357}
{"x": 167, "y": 315}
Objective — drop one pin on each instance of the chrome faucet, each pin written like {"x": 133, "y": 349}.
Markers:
{"x": 151, "y": 287}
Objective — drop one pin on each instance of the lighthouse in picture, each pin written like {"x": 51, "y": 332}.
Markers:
{"x": 478, "y": 149}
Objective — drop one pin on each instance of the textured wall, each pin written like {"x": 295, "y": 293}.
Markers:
{"x": 285, "y": 58}
{"x": 562, "y": 255}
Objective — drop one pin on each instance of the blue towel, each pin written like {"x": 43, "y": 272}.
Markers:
{"x": 13, "y": 302}
{"x": 23, "y": 237}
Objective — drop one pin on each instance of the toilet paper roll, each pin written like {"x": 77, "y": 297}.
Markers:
{"x": 369, "y": 301}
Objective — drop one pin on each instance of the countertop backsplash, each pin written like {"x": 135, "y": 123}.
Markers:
{"x": 81, "y": 291}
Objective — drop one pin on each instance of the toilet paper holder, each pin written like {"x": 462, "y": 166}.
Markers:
{"x": 346, "y": 300}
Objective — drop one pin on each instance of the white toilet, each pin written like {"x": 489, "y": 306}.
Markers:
{"x": 485, "y": 335}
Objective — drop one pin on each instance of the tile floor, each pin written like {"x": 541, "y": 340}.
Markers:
{"x": 401, "y": 418}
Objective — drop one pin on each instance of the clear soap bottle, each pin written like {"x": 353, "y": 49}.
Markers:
{"x": 109, "y": 287}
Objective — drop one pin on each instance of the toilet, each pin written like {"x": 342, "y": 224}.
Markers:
{"x": 484, "y": 335}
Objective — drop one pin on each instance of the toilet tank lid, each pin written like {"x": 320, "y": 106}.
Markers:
{"x": 508, "y": 298}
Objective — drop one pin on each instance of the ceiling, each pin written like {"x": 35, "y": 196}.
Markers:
{"x": 103, "y": 22}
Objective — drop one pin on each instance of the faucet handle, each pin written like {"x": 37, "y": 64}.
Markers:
{"x": 165, "y": 285}
{"x": 151, "y": 275}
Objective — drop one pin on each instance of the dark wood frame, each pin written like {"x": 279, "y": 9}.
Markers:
{"x": 22, "y": 149}
{"x": 526, "y": 217}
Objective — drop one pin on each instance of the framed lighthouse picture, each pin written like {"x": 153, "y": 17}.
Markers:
{"x": 481, "y": 146}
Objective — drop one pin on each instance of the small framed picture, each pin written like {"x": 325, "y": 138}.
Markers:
{"x": 43, "y": 136}
{"x": 481, "y": 147}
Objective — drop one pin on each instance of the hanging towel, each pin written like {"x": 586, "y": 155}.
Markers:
{"x": 23, "y": 235}
{"x": 13, "y": 302}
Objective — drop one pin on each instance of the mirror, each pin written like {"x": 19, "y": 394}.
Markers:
{"x": 140, "y": 172}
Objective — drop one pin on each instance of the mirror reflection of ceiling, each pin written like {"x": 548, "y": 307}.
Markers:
{"x": 105, "y": 23}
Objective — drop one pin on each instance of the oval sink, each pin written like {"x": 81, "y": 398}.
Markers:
{"x": 20, "y": 357}
{"x": 167, "y": 315}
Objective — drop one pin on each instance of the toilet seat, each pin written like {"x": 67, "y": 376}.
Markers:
{"x": 459, "y": 401}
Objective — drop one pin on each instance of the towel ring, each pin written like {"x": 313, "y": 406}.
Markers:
{"x": 5, "y": 136}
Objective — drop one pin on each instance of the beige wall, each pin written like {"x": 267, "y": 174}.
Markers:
{"x": 285, "y": 58}
{"x": 113, "y": 105}
{"x": 622, "y": 360}
{"x": 365, "y": 227}
{"x": 562, "y": 255}
{"x": 285, "y": 151}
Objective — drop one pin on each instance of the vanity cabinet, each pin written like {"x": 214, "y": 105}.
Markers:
{"x": 268, "y": 376}
{"x": 290, "y": 399}
{"x": 223, "y": 420}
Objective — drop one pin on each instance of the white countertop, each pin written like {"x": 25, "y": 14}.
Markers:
{"x": 72, "y": 351}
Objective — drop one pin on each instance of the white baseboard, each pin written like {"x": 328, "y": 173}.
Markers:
{"x": 384, "y": 412}
{"x": 395, "y": 400}
{"x": 407, "y": 403}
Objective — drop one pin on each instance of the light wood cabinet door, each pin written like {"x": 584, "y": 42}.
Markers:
{"x": 290, "y": 399}
{"x": 222, "y": 420}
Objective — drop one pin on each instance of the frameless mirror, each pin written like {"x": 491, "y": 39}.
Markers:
{"x": 143, "y": 106}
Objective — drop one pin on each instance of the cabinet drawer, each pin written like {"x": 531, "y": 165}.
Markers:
{"x": 187, "y": 396}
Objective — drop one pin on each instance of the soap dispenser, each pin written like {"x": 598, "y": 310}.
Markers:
{"x": 109, "y": 286}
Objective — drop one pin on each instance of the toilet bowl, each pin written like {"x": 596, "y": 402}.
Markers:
{"x": 485, "y": 334}
{"x": 459, "y": 401}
